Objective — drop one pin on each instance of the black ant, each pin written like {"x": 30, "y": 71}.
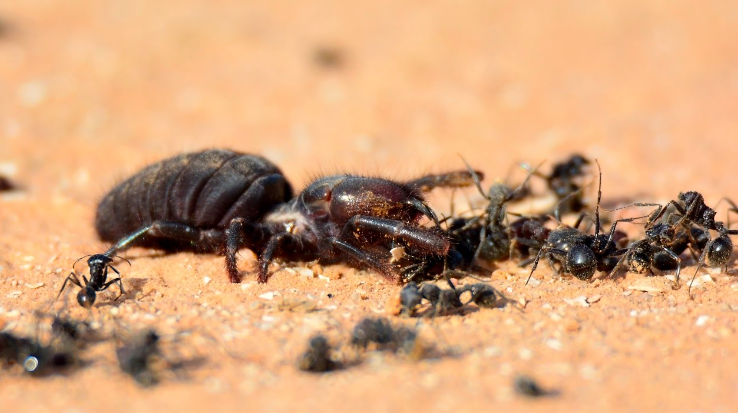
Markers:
{"x": 99, "y": 265}
{"x": 581, "y": 254}
{"x": 136, "y": 357}
{"x": 317, "y": 358}
{"x": 381, "y": 333}
{"x": 493, "y": 236}
{"x": 675, "y": 233}
{"x": 565, "y": 181}
{"x": 526, "y": 386}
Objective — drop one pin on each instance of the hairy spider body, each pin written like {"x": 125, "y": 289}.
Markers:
{"x": 344, "y": 217}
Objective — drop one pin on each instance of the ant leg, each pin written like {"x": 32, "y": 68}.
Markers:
{"x": 535, "y": 264}
{"x": 111, "y": 282}
{"x": 538, "y": 257}
{"x": 679, "y": 265}
{"x": 700, "y": 263}
{"x": 622, "y": 260}
{"x": 526, "y": 262}
{"x": 455, "y": 179}
{"x": 74, "y": 279}
{"x": 422, "y": 238}
{"x": 482, "y": 238}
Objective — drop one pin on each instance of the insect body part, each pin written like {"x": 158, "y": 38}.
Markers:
{"x": 136, "y": 358}
{"x": 483, "y": 295}
{"x": 526, "y": 386}
{"x": 380, "y": 333}
{"x": 410, "y": 298}
{"x": 317, "y": 358}
{"x": 346, "y": 217}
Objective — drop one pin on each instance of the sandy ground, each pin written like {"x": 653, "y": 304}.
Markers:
{"x": 93, "y": 90}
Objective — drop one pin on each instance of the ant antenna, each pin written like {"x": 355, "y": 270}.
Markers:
{"x": 599, "y": 197}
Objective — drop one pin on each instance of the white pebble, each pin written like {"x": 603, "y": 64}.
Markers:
{"x": 702, "y": 320}
{"x": 34, "y": 286}
{"x": 578, "y": 301}
{"x": 206, "y": 280}
{"x": 269, "y": 296}
{"x": 398, "y": 253}
{"x": 525, "y": 353}
{"x": 554, "y": 344}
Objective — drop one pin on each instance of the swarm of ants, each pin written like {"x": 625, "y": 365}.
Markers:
{"x": 218, "y": 201}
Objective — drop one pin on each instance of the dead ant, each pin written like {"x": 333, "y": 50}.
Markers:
{"x": 380, "y": 333}
{"x": 137, "y": 357}
{"x": 317, "y": 358}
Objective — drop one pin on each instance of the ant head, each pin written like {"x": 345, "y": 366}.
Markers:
{"x": 663, "y": 232}
{"x": 499, "y": 193}
{"x": 98, "y": 262}
{"x": 86, "y": 297}
{"x": 689, "y": 197}
{"x": 581, "y": 261}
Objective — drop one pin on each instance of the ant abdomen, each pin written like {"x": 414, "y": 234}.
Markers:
{"x": 719, "y": 251}
{"x": 581, "y": 262}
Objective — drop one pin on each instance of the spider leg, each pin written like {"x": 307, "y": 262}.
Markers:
{"x": 363, "y": 257}
{"x": 421, "y": 238}
{"x": 454, "y": 179}
{"x": 273, "y": 246}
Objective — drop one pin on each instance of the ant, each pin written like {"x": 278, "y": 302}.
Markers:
{"x": 379, "y": 331}
{"x": 691, "y": 209}
{"x": 136, "y": 357}
{"x": 674, "y": 237}
{"x": 580, "y": 254}
{"x": 565, "y": 181}
{"x": 317, "y": 358}
{"x": 494, "y": 238}
{"x": 99, "y": 265}
{"x": 442, "y": 301}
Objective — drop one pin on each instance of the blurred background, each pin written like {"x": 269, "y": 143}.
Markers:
{"x": 91, "y": 90}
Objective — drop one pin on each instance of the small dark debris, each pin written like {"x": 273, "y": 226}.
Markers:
{"x": 328, "y": 57}
{"x": 526, "y": 386}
